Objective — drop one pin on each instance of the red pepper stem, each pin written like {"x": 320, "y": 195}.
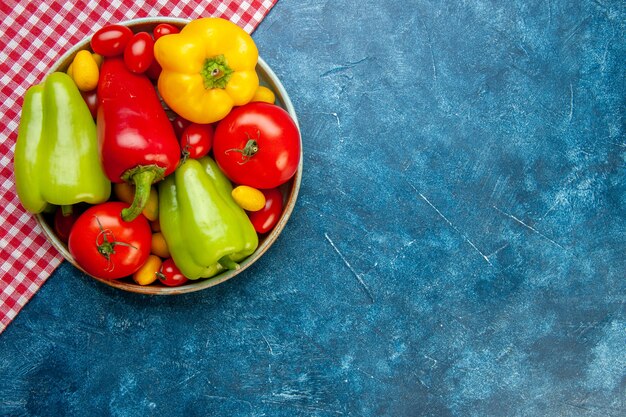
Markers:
{"x": 142, "y": 177}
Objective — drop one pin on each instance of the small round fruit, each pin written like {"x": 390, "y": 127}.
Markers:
{"x": 148, "y": 272}
{"x": 170, "y": 275}
{"x": 248, "y": 198}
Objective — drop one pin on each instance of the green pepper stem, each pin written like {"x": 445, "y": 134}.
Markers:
{"x": 143, "y": 180}
{"x": 66, "y": 210}
{"x": 228, "y": 263}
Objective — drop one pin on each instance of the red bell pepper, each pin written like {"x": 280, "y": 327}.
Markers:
{"x": 136, "y": 139}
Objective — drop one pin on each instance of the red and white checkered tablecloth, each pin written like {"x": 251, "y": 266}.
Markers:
{"x": 33, "y": 35}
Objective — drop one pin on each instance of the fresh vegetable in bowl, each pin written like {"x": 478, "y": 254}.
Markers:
{"x": 137, "y": 141}
{"x": 111, "y": 40}
{"x": 56, "y": 155}
{"x": 206, "y": 231}
{"x": 105, "y": 245}
{"x": 265, "y": 219}
{"x": 258, "y": 144}
{"x": 196, "y": 140}
{"x": 208, "y": 68}
{"x": 176, "y": 221}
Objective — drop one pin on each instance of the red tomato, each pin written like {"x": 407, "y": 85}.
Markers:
{"x": 257, "y": 144}
{"x": 196, "y": 140}
{"x": 163, "y": 29}
{"x": 265, "y": 219}
{"x": 106, "y": 246}
{"x": 91, "y": 98}
{"x": 170, "y": 275}
{"x": 139, "y": 52}
{"x": 179, "y": 124}
{"x": 63, "y": 224}
{"x": 111, "y": 40}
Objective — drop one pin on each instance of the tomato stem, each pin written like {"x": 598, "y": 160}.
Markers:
{"x": 106, "y": 248}
{"x": 184, "y": 155}
{"x": 248, "y": 151}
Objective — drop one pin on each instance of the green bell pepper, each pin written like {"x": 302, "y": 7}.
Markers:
{"x": 56, "y": 157}
{"x": 205, "y": 230}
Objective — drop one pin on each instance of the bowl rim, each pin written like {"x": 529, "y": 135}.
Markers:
{"x": 268, "y": 239}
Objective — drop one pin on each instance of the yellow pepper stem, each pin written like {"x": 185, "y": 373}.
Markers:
{"x": 215, "y": 72}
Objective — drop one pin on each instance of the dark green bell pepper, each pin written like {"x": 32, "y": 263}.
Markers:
{"x": 205, "y": 230}
{"x": 56, "y": 157}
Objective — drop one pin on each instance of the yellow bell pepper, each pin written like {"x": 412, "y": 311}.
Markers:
{"x": 209, "y": 67}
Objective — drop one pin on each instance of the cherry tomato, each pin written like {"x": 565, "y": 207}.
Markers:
{"x": 196, "y": 140}
{"x": 155, "y": 226}
{"x": 170, "y": 275}
{"x": 265, "y": 219}
{"x": 107, "y": 247}
{"x": 139, "y": 52}
{"x": 257, "y": 144}
{"x": 63, "y": 224}
{"x": 111, "y": 40}
{"x": 159, "y": 245}
{"x": 179, "y": 124}
{"x": 163, "y": 29}
{"x": 248, "y": 198}
{"x": 154, "y": 70}
{"x": 148, "y": 273}
{"x": 91, "y": 98}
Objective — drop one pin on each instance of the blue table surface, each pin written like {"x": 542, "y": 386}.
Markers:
{"x": 457, "y": 248}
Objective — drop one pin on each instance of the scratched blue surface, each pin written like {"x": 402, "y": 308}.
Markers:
{"x": 457, "y": 248}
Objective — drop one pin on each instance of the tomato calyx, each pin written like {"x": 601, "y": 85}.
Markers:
{"x": 105, "y": 246}
{"x": 185, "y": 154}
{"x": 248, "y": 151}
